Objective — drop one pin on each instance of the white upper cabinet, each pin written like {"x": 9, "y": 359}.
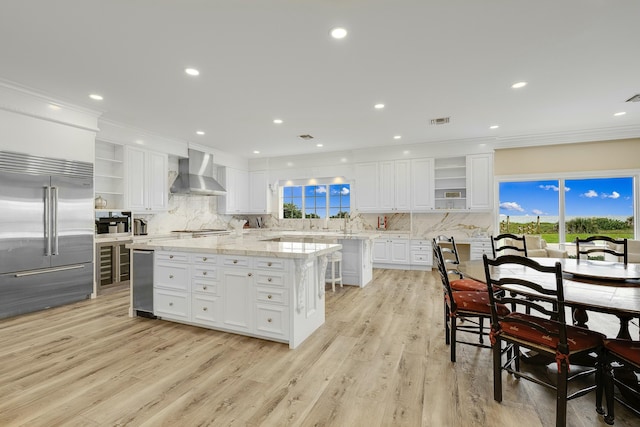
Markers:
{"x": 258, "y": 192}
{"x": 422, "y": 192}
{"x": 479, "y": 181}
{"x": 146, "y": 181}
{"x": 395, "y": 185}
{"x": 366, "y": 187}
{"x": 236, "y": 182}
{"x": 109, "y": 173}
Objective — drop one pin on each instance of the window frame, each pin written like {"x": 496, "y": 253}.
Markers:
{"x": 304, "y": 186}
{"x": 562, "y": 178}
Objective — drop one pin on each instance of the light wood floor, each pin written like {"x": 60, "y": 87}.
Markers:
{"x": 380, "y": 360}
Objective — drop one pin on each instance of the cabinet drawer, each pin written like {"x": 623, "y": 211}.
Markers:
{"x": 272, "y": 321}
{"x": 271, "y": 295}
{"x": 207, "y": 259}
{"x": 420, "y": 258}
{"x": 236, "y": 261}
{"x": 205, "y": 309}
{"x": 270, "y": 264}
{"x": 421, "y": 248}
{"x": 271, "y": 279}
{"x": 172, "y": 276}
{"x": 172, "y": 257}
{"x": 420, "y": 243}
{"x": 204, "y": 272}
{"x": 171, "y": 304}
{"x": 204, "y": 287}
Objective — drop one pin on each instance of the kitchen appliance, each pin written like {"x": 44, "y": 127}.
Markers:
{"x": 195, "y": 176}
{"x": 46, "y": 232}
{"x": 113, "y": 222}
{"x": 142, "y": 286}
{"x": 139, "y": 227}
{"x": 112, "y": 263}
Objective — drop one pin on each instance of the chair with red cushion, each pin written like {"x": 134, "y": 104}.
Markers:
{"x": 622, "y": 356}
{"x": 469, "y": 307}
{"x": 539, "y": 288}
{"x": 451, "y": 261}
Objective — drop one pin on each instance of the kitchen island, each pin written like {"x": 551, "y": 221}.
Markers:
{"x": 265, "y": 289}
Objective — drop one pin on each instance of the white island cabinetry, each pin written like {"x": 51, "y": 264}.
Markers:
{"x": 267, "y": 290}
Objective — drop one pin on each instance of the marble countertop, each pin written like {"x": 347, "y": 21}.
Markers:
{"x": 332, "y": 234}
{"x": 242, "y": 246}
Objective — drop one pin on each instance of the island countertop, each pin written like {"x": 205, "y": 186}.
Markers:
{"x": 230, "y": 245}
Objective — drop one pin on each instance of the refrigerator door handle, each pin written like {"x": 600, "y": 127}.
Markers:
{"x": 54, "y": 219}
{"x": 47, "y": 219}
{"x": 49, "y": 270}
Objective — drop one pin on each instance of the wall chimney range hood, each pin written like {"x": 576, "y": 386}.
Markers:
{"x": 195, "y": 176}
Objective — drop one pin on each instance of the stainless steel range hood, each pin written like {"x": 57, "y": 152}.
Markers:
{"x": 195, "y": 176}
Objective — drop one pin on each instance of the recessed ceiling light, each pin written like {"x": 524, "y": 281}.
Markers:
{"x": 397, "y": 137}
{"x": 318, "y": 145}
{"x": 406, "y": 152}
{"x": 494, "y": 127}
{"x": 519, "y": 85}
{"x": 54, "y": 107}
{"x": 289, "y": 164}
{"x": 192, "y": 71}
{"x": 96, "y": 97}
{"x": 277, "y": 121}
{"x": 200, "y": 132}
{"x": 338, "y": 33}
{"x": 378, "y": 106}
{"x": 256, "y": 152}
{"x": 620, "y": 113}
{"x": 139, "y": 142}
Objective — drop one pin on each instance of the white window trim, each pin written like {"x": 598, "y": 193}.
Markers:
{"x": 308, "y": 182}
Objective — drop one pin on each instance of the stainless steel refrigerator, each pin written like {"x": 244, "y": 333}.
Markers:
{"x": 46, "y": 232}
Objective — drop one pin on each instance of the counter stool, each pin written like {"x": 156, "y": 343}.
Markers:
{"x": 336, "y": 257}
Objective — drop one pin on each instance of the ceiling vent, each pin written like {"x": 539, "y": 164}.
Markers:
{"x": 440, "y": 121}
{"x": 634, "y": 98}
{"x": 306, "y": 137}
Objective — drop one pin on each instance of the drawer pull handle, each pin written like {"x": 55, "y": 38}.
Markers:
{"x": 269, "y": 320}
{"x": 250, "y": 274}
{"x": 269, "y": 279}
{"x": 170, "y": 256}
{"x": 204, "y": 288}
{"x": 235, "y": 261}
{"x": 204, "y": 308}
{"x": 204, "y": 273}
{"x": 269, "y": 264}
{"x": 171, "y": 276}
{"x": 204, "y": 258}
{"x": 170, "y": 304}
{"x": 269, "y": 296}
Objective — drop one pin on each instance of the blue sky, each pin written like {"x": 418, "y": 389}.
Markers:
{"x": 583, "y": 197}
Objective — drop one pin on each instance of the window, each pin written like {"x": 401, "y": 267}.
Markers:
{"x": 562, "y": 209}
{"x": 316, "y": 201}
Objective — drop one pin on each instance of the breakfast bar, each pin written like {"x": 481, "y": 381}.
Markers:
{"x": 264, "y": 289}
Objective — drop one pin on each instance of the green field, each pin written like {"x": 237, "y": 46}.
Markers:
{"x": 577, "y": 227}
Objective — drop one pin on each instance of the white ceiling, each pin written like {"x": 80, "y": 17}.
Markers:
{"x": 266, "y": 59}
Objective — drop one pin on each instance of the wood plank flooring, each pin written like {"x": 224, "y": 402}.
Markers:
{"x": 380, "y": 360}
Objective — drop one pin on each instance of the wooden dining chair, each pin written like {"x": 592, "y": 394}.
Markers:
{"x": 621, "y": 356}
{"x": 471, "y": 308}
{"x": 508, "y": 244}
{"x": 544, "y": 331}
{"x": 603, "y": 245}
{"x": 451, "y": 260}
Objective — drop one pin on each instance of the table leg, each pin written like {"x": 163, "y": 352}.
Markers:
{"x": 624, "y": 328}
{"x": 580, "y": 317}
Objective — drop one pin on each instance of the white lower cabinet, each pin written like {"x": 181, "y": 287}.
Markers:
{"x": 391, "y": 253}
{"x": 421, "y": 255}
{"x": 246, "y": 295}
{"x": 480, "y": 247}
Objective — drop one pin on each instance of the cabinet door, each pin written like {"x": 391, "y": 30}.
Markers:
{"x": 402, "y": 183}
{"x": 422, "y": 189}
{"x": 236, "y": 182}
{"x": 237, "y": 285}
{"x": 479, "y": 181}
{"x": 366, "y": 187}
{"x": 380, "y": 252}
{"x": 242, "y": 190}
{"x": 387, "y": 200}
{"x": 136, "y": 181}
{"x": 157, "y": 181}
{"x": 258, "y": 192}
{"x": 399, "y": 251}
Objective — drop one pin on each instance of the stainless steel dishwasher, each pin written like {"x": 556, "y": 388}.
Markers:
{"x": 142, "y": 287}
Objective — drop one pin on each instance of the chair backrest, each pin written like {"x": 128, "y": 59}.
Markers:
{"x": 524, "y": 283}
{"x": 444, "y": 273}
{"x": 508, "y": 242}
{"x": 603, "y": 245}
{"x": 449, "y": 249}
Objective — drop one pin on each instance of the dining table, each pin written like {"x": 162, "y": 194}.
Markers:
{"x": 589, "y": 285}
